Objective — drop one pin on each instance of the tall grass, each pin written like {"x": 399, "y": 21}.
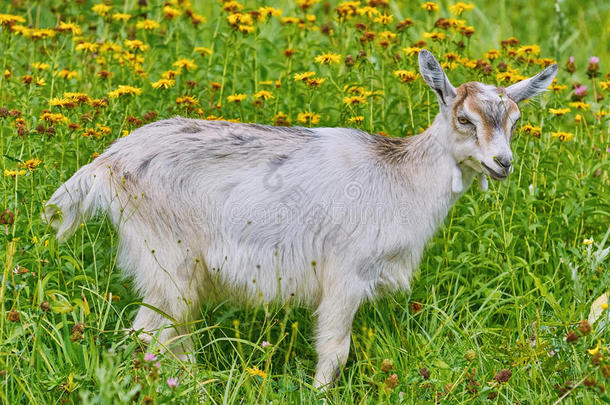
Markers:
{"x": 501, "y": 286}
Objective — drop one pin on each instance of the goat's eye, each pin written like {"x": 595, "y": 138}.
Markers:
{"x": 464, "y": 121}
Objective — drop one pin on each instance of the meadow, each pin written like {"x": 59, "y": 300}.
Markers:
{"x": 511, "y": 302}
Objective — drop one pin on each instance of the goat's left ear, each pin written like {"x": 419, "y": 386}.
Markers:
{"x": 530, "y": 87}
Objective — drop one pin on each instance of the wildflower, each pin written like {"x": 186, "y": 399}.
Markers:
{"x": 301, "y": 77}
{"x": 188, "y": 64}
{"x": 40, "y": 81}
{"x": 170, "y": 13}
{"x": 121, "y": 17}
{"x": 512, "y": 41}
{"x": 604, "y": 85}
{"x": 405, "y": 76}
{"x": 150, "y": 357}
{"x": 256, "y": 371}
{"x": 308, "y": 117}
{"x": 577, "y": 118}
{"x": 203, "y": 51}
{"x": 370, "y": 12}
{"x": 356, "y": 120}
{"x": 315, "y": 82}
{"x": 557, "y": 87}
{"x": 580, "y": 105}
{"x": 172, "y": 382}
{"x": 69, "y": 26}
{"x": 430, "y": 6}
{"x": 87, "y": 47}
{"x": 588, "y": 242}
{"x": 31, "y": 164}
{"x": 8, "y": 20}
{"x": 406, "y": 23}
{"x": 425, "y": 373}
{"x": 13, "y": 315}
{"x": 435, "y": 36}
{"x": 53, "y": 118}
{"x": 40, "y": 66}
{"x": 147, "y": 25}
{"x": 412, "y": 50}
{"x": 467, "y": 31}
{"x": 528, "y": 50}
{"x": 492, "y": 54}
{"x": 163, "y": 83}
{"x": 187, "y": 100}
{"x": 137, "y": 45}
{"x": 7, "y": 73}
{"x": 563, "y": 136}
{"x": 595, "y": 351}
{"x": 459, "y": 7}
{"x": 124, "y": 90}
{"x": 354, "y": 100}
{"x": 503, "y": 376}
{"x": 265, "y": 343}
{"x": 532, "y": 130}
{"x": 246, "y": 29}
{"x": 559, "y": 111}
{"x": 282, "y": 119}
{"x": 305, "y": 4}
{"x": 236, "y": 98}
{"x": 101, "y": 9}
{"x": 67, "y": 74}
{"x": 328, "y": 58}
{"x": 263, "y": 94}
{"x": 14, "y": 173}
{"x": 384, "y": 19}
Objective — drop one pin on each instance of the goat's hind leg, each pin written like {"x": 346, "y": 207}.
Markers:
{"x": 166, "y": 280}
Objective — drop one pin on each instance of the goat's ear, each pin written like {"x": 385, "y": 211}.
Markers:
{"x": 530, "y": 87}
{"x": 435, "y": 77}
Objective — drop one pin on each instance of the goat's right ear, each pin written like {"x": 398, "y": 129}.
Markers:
{"x": 435, "y": 77}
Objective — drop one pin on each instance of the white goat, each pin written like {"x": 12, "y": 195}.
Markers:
{"x": 327, "y": 217}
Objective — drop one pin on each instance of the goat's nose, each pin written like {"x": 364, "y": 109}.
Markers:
{"x": 505, "y": 162}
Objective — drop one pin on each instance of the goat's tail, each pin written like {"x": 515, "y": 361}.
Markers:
{"x": 76, "y": 201}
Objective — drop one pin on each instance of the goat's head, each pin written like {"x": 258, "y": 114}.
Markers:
{"x": 481, "y": 117}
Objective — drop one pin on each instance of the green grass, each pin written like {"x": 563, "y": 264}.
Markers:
{"x": 500, "y": 286}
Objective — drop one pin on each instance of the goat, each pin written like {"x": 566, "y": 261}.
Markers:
{"x": 326, "y": 217}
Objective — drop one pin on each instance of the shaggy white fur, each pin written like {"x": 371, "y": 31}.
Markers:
{"x": 327, "y": 217}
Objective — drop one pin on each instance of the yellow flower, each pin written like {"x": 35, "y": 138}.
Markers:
{"x": 40, "y": 81}
{"x": 315, "y": 81}
{"x": 563, "y": 136}
{"x": 14, "y": 173}
{"x": 67, "y": 74}
{"x": 308, "y": 117}
{"x": 356, "y": 120}
{"x": 255, "y": 370}
{"x": 405, "y": 76}
{"x": 387, "y": 35}
{"x": 101, "y": 9}
{"x": 592, "y": 352}
{"x": 354, "y": 100}
{"x": 232, "y": 6}
{"x": 246, "y": 29}
{"x": 188, "y": 64}
{"x": 328, "y": 58}
{"x": 147, "y": 25}
{"x": 459, "y": 7}
{"x": 605, "y": 85}
{"x": 31, "y": 164}
{"x": 305, "y": 4}
{"x": 435, "y": 36}
{"x": 170, "y": 13}
{"x": 301, "y": 77}
{"x": 87, "y": 47}
{"x": 532, "y": 130}
{"x": 121, "y": 17}
{"x": 69, "y": 26}
{"x": 136, "y": 44}
{"x": 509, "y": 76}
{"x": 411, "y": 50}
{"x": 588, "y": 242}
{"x": 203, "y": 51}
{"x": 54, "y": 118}
{"x": 528, "y": 50}
{"x": 264, "y": 94}
{"x": 430, "y": 6}
{"x": 580, "y": 105}
{"x": 40, "y": 66}
{"x": 557, "y": 87}
{"x": 384, "y": 19}
{"x": 236, "y": 98}
{"x": 163, "y": 83}
{"x": 9, "y": 19}
{"x": 124, "y": 90}
{"x": 492, "y": 54}
{"x": 559, "y": 111}
{"x": 187, "y": 100}
{"x": 369, "y": 11}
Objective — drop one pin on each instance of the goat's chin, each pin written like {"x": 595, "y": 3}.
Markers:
{"x": 494, "y": 174}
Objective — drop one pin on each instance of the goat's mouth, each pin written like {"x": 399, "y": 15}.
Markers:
{"x": 494, "y": 174}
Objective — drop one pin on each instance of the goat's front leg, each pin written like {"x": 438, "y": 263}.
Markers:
{"x": 335, "y": 314}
